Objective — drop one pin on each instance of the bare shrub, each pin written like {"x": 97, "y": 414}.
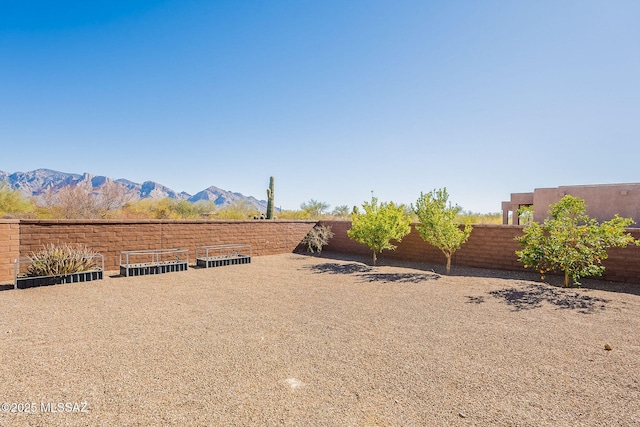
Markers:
{"x": 85, "y": 202}
{"x": 111, "y": 197}
{"x": 317, "y": 237}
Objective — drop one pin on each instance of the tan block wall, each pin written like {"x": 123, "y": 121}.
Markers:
{"x": 623, "y": 265}
{"x": 9, "y": 247}
{"x": 111, "y": 237}
{"x": 489, "y": 246}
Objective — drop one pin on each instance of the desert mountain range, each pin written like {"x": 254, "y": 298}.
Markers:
{"x": 37, "y": 182}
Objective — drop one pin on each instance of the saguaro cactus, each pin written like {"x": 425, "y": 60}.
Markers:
{"x": 270, "y": 199}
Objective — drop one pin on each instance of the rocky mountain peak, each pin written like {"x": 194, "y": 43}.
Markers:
{"x": 37, "y": 182}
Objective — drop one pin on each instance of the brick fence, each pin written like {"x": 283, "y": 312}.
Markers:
{"x": 9, "y": 247}
{"x": 21, "y": 237}
{"x": 489, "y": 246}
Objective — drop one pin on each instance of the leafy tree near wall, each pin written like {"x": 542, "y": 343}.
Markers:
{"x": 163, "y": 209}
{"x": 438, "y": 223}
{"x": 468, "y": 217}
{"x": 378, "y": 225}
{"x": 572, "y": 242}
{"x": 12, "y": 203}
{"x": 187, "y": 210}
{"x": 287, "y": 214}
{"x": 167, "y": 208}
{"x": 238, "y": 209}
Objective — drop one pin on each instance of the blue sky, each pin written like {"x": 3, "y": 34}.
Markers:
{"x": 334, "y": 98}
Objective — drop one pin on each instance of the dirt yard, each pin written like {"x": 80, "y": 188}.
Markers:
{"x": 296, "y": 340}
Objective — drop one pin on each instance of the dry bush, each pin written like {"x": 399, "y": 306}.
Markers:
{"x": 83, "y": 202}
{"x": 55, "y": 260}
{"x": 317, "y": 237}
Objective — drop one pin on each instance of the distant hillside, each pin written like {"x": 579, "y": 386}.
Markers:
{"x": 40, "y": 181}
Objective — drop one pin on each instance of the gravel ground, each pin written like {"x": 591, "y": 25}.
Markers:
{"x": 298, "y": 340}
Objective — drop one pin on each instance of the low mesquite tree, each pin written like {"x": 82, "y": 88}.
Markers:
{"x": 572, "y": 242}
{"x": 438, "y": 223}
{"x": 314, "y": 208}
{"x": 341, "y": 211}
{"x": 378, "y": 225}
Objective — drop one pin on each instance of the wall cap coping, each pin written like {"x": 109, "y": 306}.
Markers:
{"x": 158, "y": 221}
{"x": 416, "y": 223}
{"x": 517, "y": 227}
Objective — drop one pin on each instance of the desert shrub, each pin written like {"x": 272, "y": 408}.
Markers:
{"x": 12, "y": 203}
{"x": 317, "y": 237}
{"x": 238, "y": 209}
{"x": 293, "y": 214}
{"x": 61, "y": 259}
{"x": 167, "y": 208}
{"x": 341, "y": 211}
{"x": 468, "y": 217}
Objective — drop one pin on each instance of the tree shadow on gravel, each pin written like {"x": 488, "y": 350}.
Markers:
{"x": 369, "y": 274}
{"x": 520, "y": 275}
{"x": 533, "y": 295}
{"x": 399, "y": 277}
{"x": 337, "y": 268}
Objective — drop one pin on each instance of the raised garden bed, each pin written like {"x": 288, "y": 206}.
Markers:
{"x": 155, "y": 261}
{"x": 32, "y": 282}
{"x": 22, "y": 281}
{"x": 221, "y": 255}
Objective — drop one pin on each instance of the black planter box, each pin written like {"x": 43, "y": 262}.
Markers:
{"x": 219, "y": 262}
{"x": 143, "y": 270}
{"x": 33, "y": 282}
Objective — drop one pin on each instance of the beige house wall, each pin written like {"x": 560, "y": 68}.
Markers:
{"x": 517, "y": 201}
{"x": 602, "y": 202}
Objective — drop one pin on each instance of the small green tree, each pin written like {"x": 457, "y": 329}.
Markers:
{"x": 378, "y": 225}
{"x": 238, "y": 209}
{"x": 284, "y": 214}
{"x": 572, "y": 242}
{"x": 438, "y": 223}
{"x": 12, "y": 202}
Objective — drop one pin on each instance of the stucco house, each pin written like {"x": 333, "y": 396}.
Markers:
{"x": 603, "y": 201}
